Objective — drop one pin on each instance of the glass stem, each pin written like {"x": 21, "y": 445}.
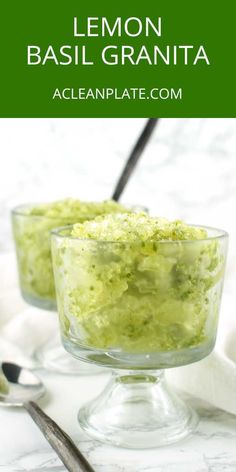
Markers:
{"x": 137, "y": 409}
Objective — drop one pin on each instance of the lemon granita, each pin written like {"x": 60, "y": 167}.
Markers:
{"x": 31, "y": 226}
{"x": 134, "y": 283}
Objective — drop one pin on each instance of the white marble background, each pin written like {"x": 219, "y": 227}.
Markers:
{"x": 188, "y": 171}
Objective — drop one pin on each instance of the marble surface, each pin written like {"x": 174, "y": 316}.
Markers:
{"x": 188, "y": 171}
{"x": 23, "y": 448}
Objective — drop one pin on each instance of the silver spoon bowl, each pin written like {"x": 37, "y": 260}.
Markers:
{"x": 18, "y": 385}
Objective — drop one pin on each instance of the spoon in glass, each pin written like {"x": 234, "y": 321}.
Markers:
{"x": 20, "y": 387}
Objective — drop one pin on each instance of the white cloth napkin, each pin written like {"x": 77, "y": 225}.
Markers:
{"x": 24, "y": 329}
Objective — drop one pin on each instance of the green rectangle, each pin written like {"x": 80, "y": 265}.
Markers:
{"x": 207, "y": 90}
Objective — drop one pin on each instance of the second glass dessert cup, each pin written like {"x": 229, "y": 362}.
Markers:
{"x": 31, "y": 229}
{"x": 139, "y": 308}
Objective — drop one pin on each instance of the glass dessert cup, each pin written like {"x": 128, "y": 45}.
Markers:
{"x": 138, "y": 308}
{"x": 33, "y": 248}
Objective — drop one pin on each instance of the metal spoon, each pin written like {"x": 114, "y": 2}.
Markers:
{"x": 19, "y": 387}
{"x": 134, "y": 158}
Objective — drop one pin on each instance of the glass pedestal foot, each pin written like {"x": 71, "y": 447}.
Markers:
{"x": 53, "y": 356}
{"x": 137, "y": 410}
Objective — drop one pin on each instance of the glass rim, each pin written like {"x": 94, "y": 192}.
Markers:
{"x": 19, "y": 210}
{"x": 55, "y": 232}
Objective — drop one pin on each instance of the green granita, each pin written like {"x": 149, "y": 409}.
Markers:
{"x": 135, "y": 283}
{"x": 32, "y": 226}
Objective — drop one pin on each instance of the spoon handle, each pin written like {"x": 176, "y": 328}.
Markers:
{"x": 134, "y": 157}
{"x": 70, "y": 455}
